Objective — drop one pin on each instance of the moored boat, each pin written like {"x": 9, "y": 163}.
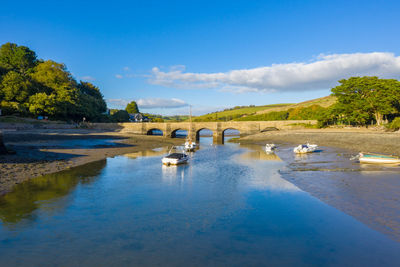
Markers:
{"x": 378, "y": 158}
{"x": 190, "y": 145}
{"x": 269, "y": 148}
{"x": 305, "y": 148}
{"x": 175, "y": 158}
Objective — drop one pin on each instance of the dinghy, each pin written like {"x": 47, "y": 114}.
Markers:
{"x": 269, "y": 148}
{"x": 305, "y": 148}
{"x": 378, "y": 158}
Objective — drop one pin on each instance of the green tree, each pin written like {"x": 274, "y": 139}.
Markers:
{"x": 362, "y": 100}
{"x": 90, "y": 102}
{"x": 121, "y": 116}
{"x": 43, "y": 104}
{"x": 15, "y": 87}
{"x": 54, "y": 79}
{"x": 132, "y": 108}
{"x": 17, "y": 58}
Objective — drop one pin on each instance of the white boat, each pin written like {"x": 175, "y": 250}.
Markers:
{"x": 305, "y": 148}
{"x": 269, "y": 148}
{"x": 190, "y": 145}
{"x": 175, "y": 158}
{"x": 378, "y": 158}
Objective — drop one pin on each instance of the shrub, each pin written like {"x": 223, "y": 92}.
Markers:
{"x": 395, "y": 124}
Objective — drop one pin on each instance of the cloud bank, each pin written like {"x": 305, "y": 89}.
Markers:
{"x": 161, "y": 103}
{"x": 321, "y": 73}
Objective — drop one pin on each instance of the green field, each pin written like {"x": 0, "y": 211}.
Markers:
{"x": 241, "y": 112}
{"x": 236, "y": 112}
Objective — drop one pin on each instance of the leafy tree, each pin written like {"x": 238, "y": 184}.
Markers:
{"x": 15, "y": 87}
{"x": 362, "y": 100}
{"x": 43, "y": 104}
{"x": 121, "y": 116}
{"x": 56, "y": 80}
{"x": 17, "y": 58}
{"x": 90, "y": 102}
{"x": 132, "y": 108}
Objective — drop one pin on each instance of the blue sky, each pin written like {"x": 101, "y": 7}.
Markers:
{"x": 209, "y": 54}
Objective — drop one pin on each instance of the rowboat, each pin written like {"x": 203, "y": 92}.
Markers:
{"x": 378, "y": 158}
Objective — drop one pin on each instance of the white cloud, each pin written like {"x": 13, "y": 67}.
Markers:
{"x": 148, "y": 103}
{"x": 88, "y": 78}
{"x": 321, "y": 73}
{"x": 119, "y": 76}
{"x": 126, "y": 69}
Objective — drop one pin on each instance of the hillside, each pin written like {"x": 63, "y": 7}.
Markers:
{"x": 233, "y": 113}
{"x": 240, "y": 112}
{"x": 322, "y": 101}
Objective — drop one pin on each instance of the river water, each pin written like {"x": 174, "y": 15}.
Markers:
{"x": 228, "y": 207}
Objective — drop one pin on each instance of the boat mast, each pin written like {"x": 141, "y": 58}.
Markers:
{"x": 190, "y": 126}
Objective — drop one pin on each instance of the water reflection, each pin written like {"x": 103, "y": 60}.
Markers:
{"x": 219, "y": 210}
{"x": 45, "y": 193}
{"x": 257, "y": 152}
{"x": 148, "y": 153}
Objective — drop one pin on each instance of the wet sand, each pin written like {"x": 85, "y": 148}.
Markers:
{"x": 369, "y": 193}
{"x": 40, "y": 152}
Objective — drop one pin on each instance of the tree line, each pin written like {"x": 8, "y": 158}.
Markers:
{"x": 30, "y": 87}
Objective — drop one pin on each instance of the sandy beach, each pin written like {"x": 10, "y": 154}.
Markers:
{"x": 40, "y": 152}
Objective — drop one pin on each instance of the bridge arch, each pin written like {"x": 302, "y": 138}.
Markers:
{"x": 154, "y": 131}
{"x": 198, "y": 134}
{"x": 179, "y": 133}
{"x": 229, "y": 132}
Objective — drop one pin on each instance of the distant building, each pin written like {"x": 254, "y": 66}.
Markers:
{"x": 138, "y": 117}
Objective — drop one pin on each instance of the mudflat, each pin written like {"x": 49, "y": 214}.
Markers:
{"x": 370, "y": 193}
{"x": 39, "y": 152}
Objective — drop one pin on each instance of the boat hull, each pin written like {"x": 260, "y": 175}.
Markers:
{"x": 167, "y": 161}
{"x": 379, "y": 160}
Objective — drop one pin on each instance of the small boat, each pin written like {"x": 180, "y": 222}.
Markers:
{"x": 190, "y": 145}
{"x": 378, "y": 158}
{"x": 305, "y": 148}
{"x": 269, "y": 148}
{"x": 175, "y": 158}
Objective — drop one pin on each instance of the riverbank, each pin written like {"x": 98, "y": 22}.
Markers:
{"x": 369, "y": 193}
{"x": 40, "y": 152}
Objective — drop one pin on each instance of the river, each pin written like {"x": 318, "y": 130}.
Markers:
{"x": 229, "y": 206}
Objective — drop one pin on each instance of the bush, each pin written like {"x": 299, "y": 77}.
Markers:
{"x": 395, "y": 124}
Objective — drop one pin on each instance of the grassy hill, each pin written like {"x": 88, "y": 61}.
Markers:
{"x": 241, "y": 112}
{"x": 236, "y": 112}
{"x": 322, "y": 101}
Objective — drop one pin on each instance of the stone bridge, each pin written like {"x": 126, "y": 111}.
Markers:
{"x": 169, "y": 129}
